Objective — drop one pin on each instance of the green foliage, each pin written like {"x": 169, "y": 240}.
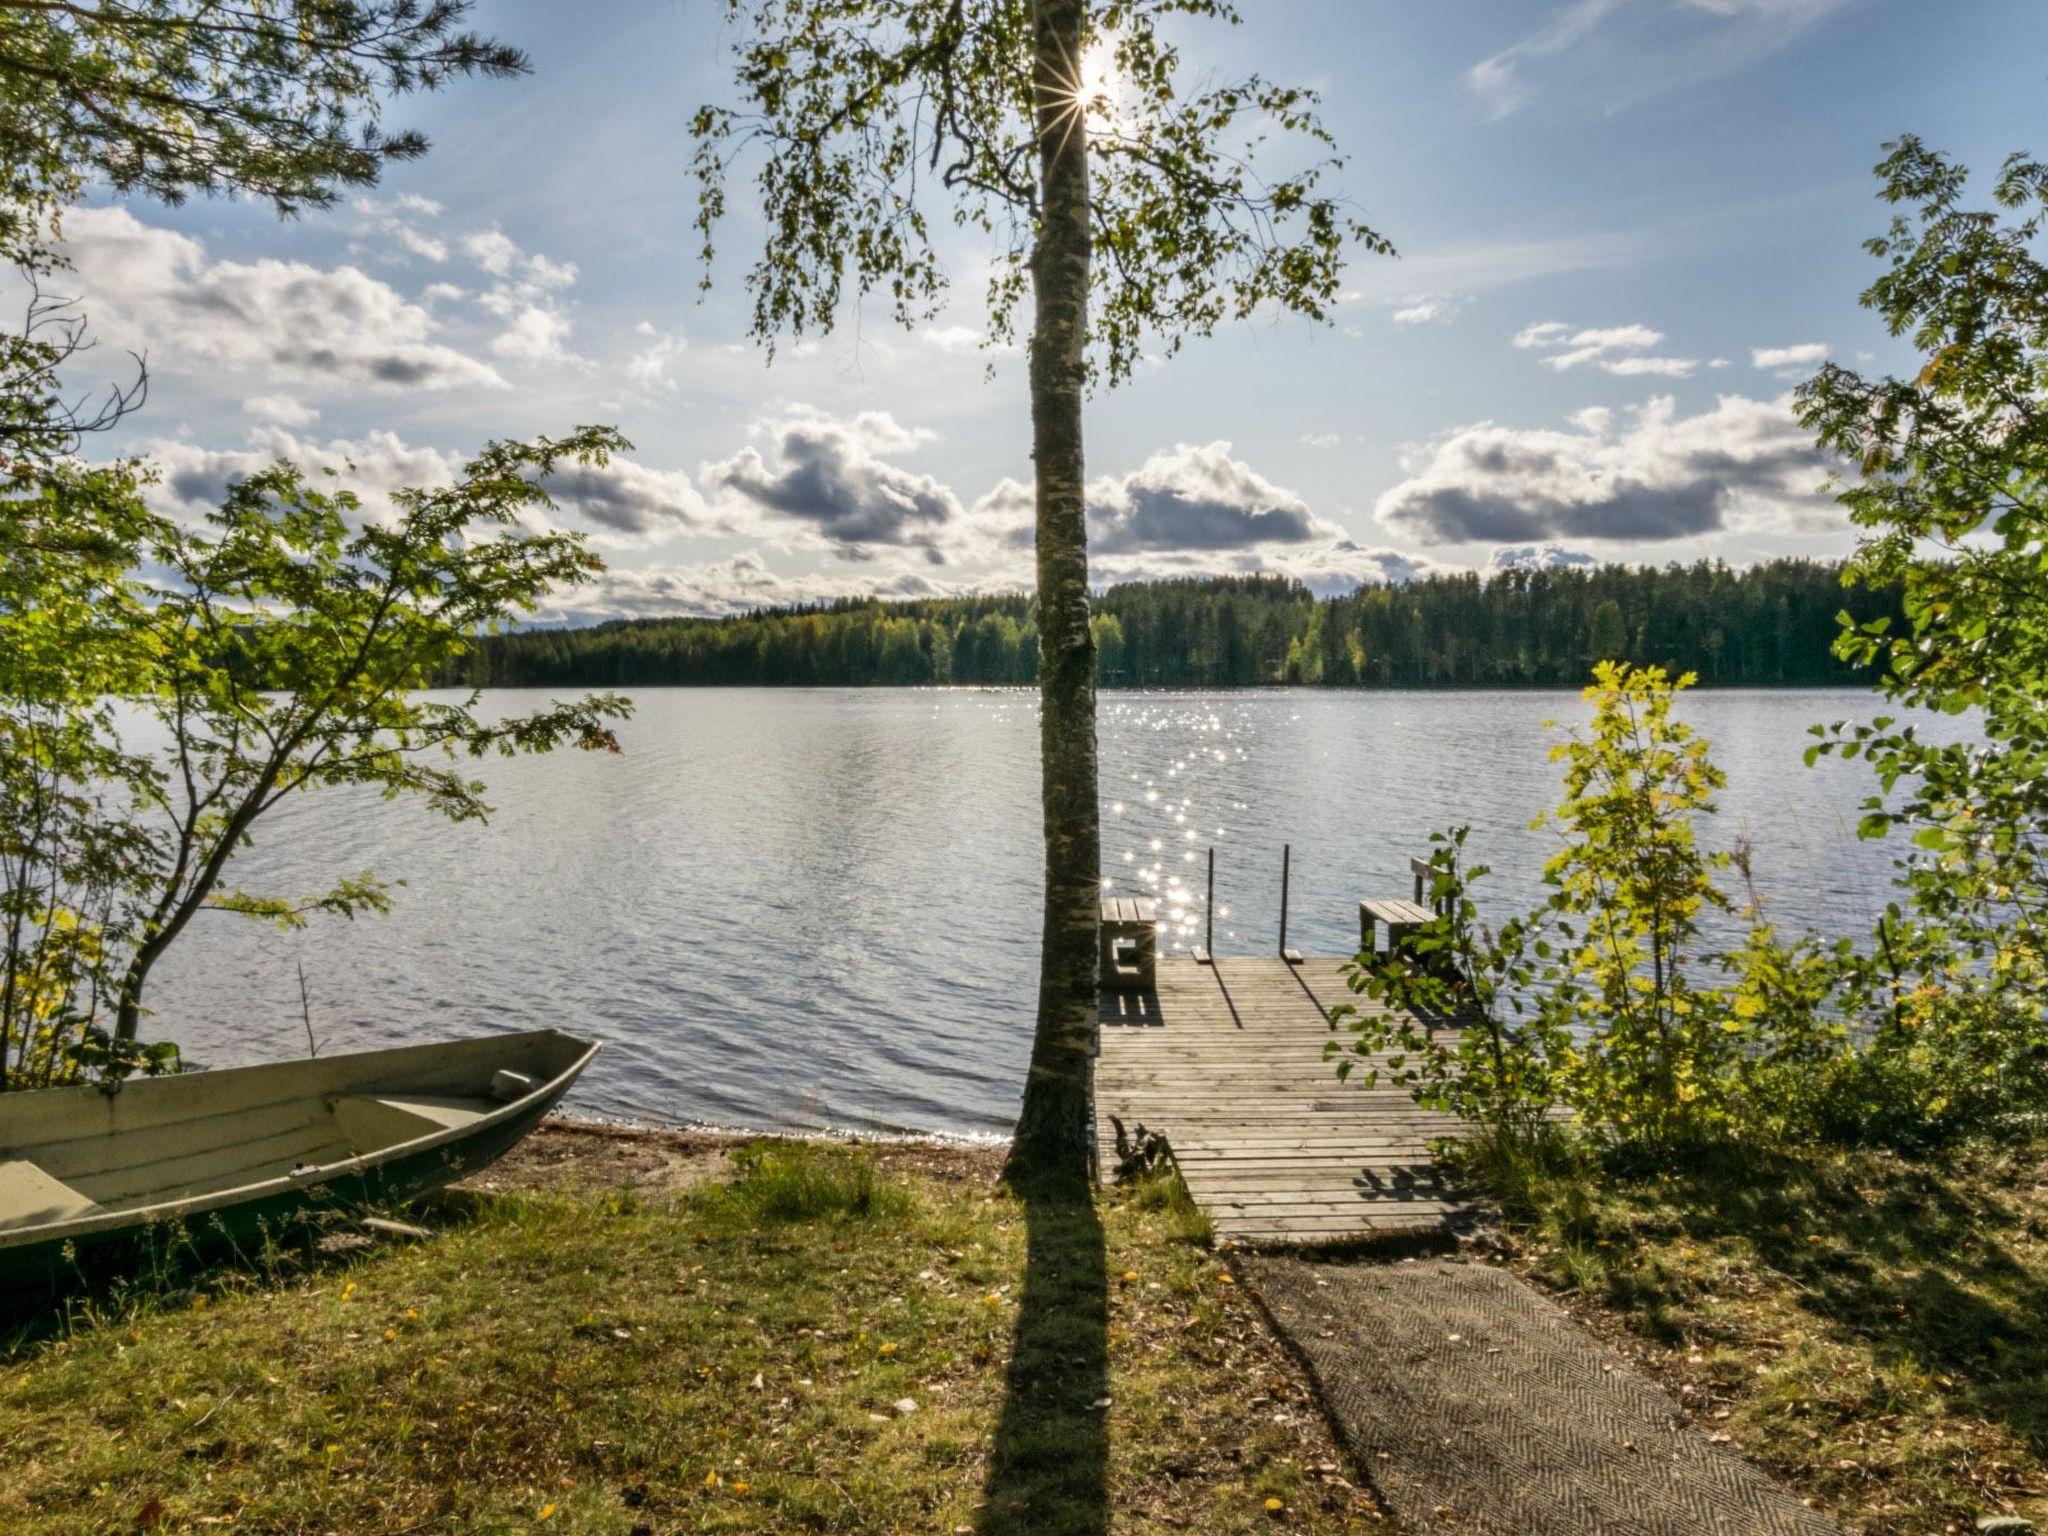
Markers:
{"x": 97, "y": 868}
{"x": 790, "y": 1181}
{"x": 1952, "y": 495}
{"x": 275, "y": 98}
{"x": 1603, "y": 1016}
{"x": 288, "y": 650}
{"x": 867, "y": 112}
{"x": 1629, "y": 885}
{"x": 282, "y": 647}
{"x": 1768, "y": 624}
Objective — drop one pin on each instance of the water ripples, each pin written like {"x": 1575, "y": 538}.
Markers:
{"x": 797, "y": 909}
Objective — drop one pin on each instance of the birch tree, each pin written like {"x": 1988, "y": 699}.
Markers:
{"x": 1133, "y": 209}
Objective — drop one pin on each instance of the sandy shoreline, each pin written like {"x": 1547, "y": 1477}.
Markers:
{"x": 594, "y": 1153}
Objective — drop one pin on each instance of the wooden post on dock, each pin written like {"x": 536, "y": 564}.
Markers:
{"x": 1206, "y": 954}
{"x": 1291, "y": 956}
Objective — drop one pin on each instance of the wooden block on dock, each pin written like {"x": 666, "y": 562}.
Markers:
{"x": 1129, "y": 956}
{"x": 1401, "y": 917}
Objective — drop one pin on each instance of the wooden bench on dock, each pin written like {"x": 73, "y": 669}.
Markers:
{"x": 1402, "y": 918}
{"x": 1129, "y": 958}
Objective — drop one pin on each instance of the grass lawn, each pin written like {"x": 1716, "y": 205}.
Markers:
{"x": 1871, "y": 1328}
{"x": 820, "y": 1341}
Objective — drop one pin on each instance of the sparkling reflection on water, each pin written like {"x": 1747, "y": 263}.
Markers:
{"x": 807, "y": 908}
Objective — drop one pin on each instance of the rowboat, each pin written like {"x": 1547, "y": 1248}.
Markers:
{"x": 91, "y": 1177}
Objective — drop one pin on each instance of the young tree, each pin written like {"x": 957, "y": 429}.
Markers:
{"x": 1127, "y": 205}
{"x": 1951, "y": 491}
{"x": 278, "y": 99}
{"x": 290, "y": 651}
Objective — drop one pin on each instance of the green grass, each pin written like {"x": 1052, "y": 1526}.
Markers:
{"x": 800, "y": 1181}
{"x": 726, "y": 1360}
{"x": 1873, "y": 1328}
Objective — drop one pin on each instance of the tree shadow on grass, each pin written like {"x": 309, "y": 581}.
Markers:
{"x": 167, "y": 1266}
{"x": 1935, "y": 1264}
{"x": 1049, "y": 1467}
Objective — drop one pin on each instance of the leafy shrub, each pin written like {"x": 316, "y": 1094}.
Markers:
{"x": 796, "y": 1181}
{"x": 1472, "y": 1030}
{"x": 1603, "y": 1008}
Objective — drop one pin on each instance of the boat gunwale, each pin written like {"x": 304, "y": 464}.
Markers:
{"x": 320, "y": 1173}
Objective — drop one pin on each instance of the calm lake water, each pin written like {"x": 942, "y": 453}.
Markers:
{"x": 794, "y": 909}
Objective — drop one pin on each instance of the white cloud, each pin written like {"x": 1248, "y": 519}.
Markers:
{"x": 282, "y": 409}
{"x": 1613, "y": 53}
{"x": 491, "y": 249}
{"x": 1321, "y": 439}
{"x": 527, "y": 297}
{"x": 650, "y": 365}
{"x": 1658, "y": 367}
{"x": 826, "y": 476}
{"x": 626, "y": 497}
{"x": 1543, "y": 333}
{"x": 192, "y": 479}
{"x": 1499, "y": 80}
{"x": 1196, "y": 497}
{"x": 961, "y": 341}
{"x": 1659, "y": 475}
{"x": 1429, "y": 309}
{"x": 1537, "y": 557}
{"x": 736, "y": 584}
{"x": 394, "y": 221}
{"x": 622, "y": 502}
{"x": 1803, "y": 354}
{"x": 160, "y": 291}
{"x": 1613, "y": 349}
{"x": 1470, "y": 269}
{"x": 535, "y": 335}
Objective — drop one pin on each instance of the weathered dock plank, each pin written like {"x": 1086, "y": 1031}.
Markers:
{"x": 1227, "y": 1061}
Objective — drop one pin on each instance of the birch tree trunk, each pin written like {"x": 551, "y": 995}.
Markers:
{"x": 1054, "y": 1132}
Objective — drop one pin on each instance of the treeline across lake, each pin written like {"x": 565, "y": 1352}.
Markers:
{"x": 1770, "y": 625}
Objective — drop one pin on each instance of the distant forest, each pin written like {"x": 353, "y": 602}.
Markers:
{"x": 1769, "y": 625}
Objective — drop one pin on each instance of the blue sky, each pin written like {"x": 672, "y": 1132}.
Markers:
{"x": 1608, "y": 211}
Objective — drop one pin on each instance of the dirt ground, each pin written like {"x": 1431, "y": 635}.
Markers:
{"x": 587, "y": 1154}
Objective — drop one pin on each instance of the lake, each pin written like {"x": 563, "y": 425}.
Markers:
{"x": 805, "y": 909}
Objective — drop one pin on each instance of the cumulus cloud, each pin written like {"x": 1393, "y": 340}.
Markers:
{"x": 161, "y": 291}
{"x": 627, "y": 497}
{"x": 527, "y": 296}
{"x": 1802, "y": 355}
{"x": 191, "y": 480}
{"x": 1537, "y": 557}
{"x": 651, "y": 363}
{"x": 736, "y": 584}
{"x": 1616, "y": 349}
{"x": 395, "y": 221}
{"x": 1656, "y": 475}
{"x": 827, "y": 476}
{"x": 1196, "y": 497}
{"x": 535, "y": 335}
{"x": 1325, "y": 568}
{"x": 282, "y": 409}
{"x": 1193, "y": 511}
{"x": 621, "y": 501}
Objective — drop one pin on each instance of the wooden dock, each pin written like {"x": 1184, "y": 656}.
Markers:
{"x": 1226, "y": 1060}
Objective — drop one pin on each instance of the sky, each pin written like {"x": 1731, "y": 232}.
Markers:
{"x": 1626, "y": 229}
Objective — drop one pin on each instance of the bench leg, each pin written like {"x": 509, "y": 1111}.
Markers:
{"x": 1365, "y": 931}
